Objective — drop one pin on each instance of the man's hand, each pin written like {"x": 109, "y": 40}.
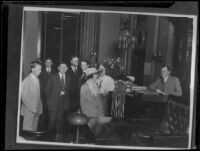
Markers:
{"x": 35, "y": 111}
{"x": 160, "y": 92}
{"x": 62, "y": 93}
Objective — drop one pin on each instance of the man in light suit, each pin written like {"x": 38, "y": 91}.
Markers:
{"x": 57, "y": 90}
{"x": 167, "y": 84}
{"x": 31, "y": 107}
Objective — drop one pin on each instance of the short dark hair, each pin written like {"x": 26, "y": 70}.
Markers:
{"x": 48, "y": 58}
{"x": 62, "y": 63}
{"x": 101, "y": 64}
{"x": 39, "y": 60}
{"x": 167, "y": 66}
{"x": 89, "y": 77}
{"x": 34, "y": 63}
{"x": 84, "y": 60}
{"x": 73, "y": 56}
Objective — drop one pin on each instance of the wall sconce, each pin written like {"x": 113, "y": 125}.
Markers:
{"x": 157, "y": 56}
{"x": 92, "y": 57}
{"x": 126, "y": 41}
{"x": 93, "y": 53}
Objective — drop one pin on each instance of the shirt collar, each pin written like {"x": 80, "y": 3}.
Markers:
{"x": 34, "y": 76}
{"x": 48, "y": 68}
{"x": 165, "y": 79}
{"x": 60, "y": 74}
{"x": 73, "y": 68}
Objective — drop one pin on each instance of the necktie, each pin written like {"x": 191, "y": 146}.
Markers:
{"x": 83, "y": 75}
{"x": 162, "y": 85}
{"x": 75, "y": 70}
{"x": 100, "y": 83}
{"x": 48, "y": 70}
{"x": 62, "y": 83}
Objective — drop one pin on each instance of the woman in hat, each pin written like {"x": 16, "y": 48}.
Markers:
{"x": 90, "y": 99}
{"x": 106, "y": 86}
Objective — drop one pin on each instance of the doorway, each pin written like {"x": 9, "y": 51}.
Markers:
{"x": 60, "y": 36}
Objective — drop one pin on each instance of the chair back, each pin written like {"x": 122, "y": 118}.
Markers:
{"x": 175, "y": 119}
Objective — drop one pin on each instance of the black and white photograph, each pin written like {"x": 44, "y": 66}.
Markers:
{"x": 102, "y": 78}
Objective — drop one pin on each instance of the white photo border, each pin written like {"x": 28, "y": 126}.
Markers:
{"x": 192, "y": 79}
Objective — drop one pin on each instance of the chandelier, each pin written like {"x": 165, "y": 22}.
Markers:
{"x": 126, "y": 40}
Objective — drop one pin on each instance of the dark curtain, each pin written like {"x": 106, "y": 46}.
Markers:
{"x": 89, "y": 36}
{"x": 182, "y": 57}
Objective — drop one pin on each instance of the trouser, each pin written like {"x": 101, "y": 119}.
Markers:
{"x": 30, "y": 122}
{"x": 74, "y": 103}
{"x": 43, "y": 120}
{"x": 106, "y": 104}
{"x": 69, "y": 128}
{"x": 56, "y": 119}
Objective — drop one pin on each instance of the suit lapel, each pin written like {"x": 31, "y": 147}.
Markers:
{"x": 77, "y": 71}
{"x": 58, "y": 79}
{"x": 51, "y": 71}
{"x": 67, "y": 80}
{"x": 45, "y": 71}
{"x": 168, "y": 82}
{"x": 72, "y": 71}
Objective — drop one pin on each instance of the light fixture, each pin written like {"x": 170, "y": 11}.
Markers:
{"x": 127, "y": 41}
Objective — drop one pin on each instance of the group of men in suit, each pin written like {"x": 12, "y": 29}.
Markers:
{"x": 59, "y": 93}
{"x": 49, "y": 95}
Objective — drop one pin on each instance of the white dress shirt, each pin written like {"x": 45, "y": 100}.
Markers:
{"x": 62, "y": 75}
{"x": 165, "y": 79}
{"x": 106, "y": 84}
{"x": 74, "y": 68}
{"x": 48, "y": 70}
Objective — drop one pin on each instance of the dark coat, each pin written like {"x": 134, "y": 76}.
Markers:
{"x": 74, "y": 92}
{"x": 53, "y": 90}
{"x": 43, "y": 77}
{"x": 82, "y": 79}
{"x": 74, "y": 83}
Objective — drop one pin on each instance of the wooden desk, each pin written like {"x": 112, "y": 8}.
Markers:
{"x": 139, "y": 98}
{"x": 148, "y": 95}
{"x": 144, "y": 104}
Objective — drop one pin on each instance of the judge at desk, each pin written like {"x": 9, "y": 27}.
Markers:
{"x": 167, "y": 84}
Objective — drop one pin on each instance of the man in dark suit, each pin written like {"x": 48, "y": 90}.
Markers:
{"x": 74, "y": 92}
{"x": 46, "y": 72}
{"x": 57, "y": 92}
{"x": 84, "y": 66}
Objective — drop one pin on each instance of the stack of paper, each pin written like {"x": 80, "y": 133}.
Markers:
{"x": 138, "y": 88}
